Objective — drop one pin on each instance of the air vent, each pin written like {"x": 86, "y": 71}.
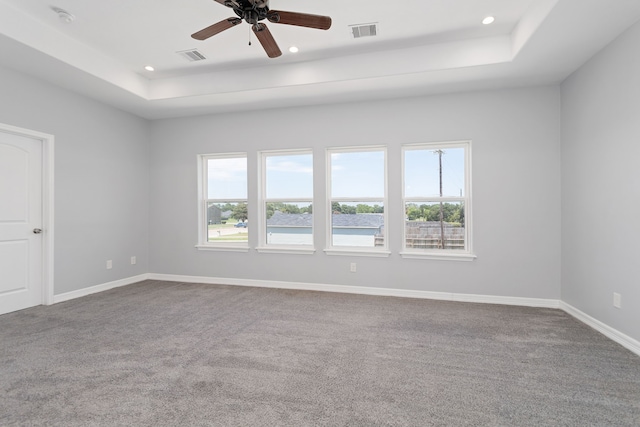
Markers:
{"x": 364, "y": 30}
{"x": 192, "y": 55}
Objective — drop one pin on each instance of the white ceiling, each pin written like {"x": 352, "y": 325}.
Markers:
{"x": 423, "y": 47}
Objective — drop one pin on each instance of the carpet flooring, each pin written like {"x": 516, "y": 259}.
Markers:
{"x": 176, "y": 354}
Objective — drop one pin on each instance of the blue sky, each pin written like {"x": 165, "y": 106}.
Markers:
{"x": 422, "y": 173}
{"x": 227, "y": 178}
{"x": 357, "y": 174}
{"x": 290, "y": 176}
{"x": 353, "y": 175}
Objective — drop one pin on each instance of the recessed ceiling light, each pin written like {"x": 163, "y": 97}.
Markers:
{"x": 488, "y": 20}
{"x": 149, "y": 68}
{"x": 293, "y": 49}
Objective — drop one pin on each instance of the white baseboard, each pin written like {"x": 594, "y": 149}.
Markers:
{"x": 362, "y": 290}
{"x": 99, "y": 288}
{"x": 613, "y": 334}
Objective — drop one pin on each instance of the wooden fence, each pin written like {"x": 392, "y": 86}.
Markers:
{"x": 428, "y": 235}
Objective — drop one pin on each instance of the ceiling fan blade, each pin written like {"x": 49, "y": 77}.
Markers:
{"x": 266, "y": 40}
{"x": 299, "y": 19}
{"x": 216, "y": 28}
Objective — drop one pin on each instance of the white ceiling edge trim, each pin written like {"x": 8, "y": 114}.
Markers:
{"x": 461, "y": 54}
{"x": 26, "y": 30}
{"x": 388, "y": 87}
{"x": 586, "y": 28}
{"x": 532, "y": 45}
{"x": 47, "y": 40}
{"x": 530, "y": 22}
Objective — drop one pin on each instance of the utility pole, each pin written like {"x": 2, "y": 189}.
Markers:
{"x": 440, "y": 153}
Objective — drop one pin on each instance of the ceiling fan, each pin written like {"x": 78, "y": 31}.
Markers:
{"x": 254, "y": 11}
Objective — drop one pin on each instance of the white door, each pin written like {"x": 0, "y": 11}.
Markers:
{"x": 21, "y": 245}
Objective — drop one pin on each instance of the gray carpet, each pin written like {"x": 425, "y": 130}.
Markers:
{"x": 171, "y": 354}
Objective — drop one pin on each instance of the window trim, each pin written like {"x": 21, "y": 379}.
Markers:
{"x": 441, "y": 254}
{"x": 203, "y": 184}
{"x": 330, "y": 249}
{"x": 263, "y": 245}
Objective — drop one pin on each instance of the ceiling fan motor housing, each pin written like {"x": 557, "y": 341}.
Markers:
{"x": 251, "y": 16}
{"x": 252, "y": 11}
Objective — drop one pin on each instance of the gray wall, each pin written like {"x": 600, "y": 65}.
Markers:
{"x": 516, "y": 189}
{"x": 101, "y": 179}
{"x": 601, "y": 185}
{"x": 118, "y": 196}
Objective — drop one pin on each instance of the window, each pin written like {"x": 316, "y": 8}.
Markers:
{"x": 286, "y": 206}
{"x": 436, "y": 197}
{"x": 357, "y": 191}
{"x": 224, "y": 220}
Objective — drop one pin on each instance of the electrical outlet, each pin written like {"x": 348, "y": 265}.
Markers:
{"x": 616, "y": 300}
{"x": 353, "y": 267}
{"x": 133, "y": 260}
{"x": 109, "y": 264}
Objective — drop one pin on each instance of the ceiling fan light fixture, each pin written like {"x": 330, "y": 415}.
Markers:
{"x": 488, "y": 20}
{"x": 294, "y": 49}
{"x": 149, "y": 68}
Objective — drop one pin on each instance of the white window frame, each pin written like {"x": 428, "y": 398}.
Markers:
{"x": 263, "y": 245}
{"x": 356, "y": 250}
{"x": 441, "y": 254}
{"x": 203, "y": 201}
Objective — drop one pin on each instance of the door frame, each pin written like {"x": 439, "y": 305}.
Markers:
{"x": 47, "y": 142}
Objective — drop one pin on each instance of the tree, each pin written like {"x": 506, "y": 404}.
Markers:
{"x": 413, "y": 212}
{"x": 336, "y": 208}
{"x": 449, "y": 211}
{"x": 240, "y": 212}
{"x": 225, "y": 207}
{"x": 350, "y": 210}
{"x": 270, "y": 210}
{"x": 290, "y": 209}
{"x": 431, "y": 212}
{"x": 454, "y": 218}
{"x": 362, "y": 208}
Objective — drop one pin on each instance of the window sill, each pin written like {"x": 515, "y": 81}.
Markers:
{"x": 223, "y": 248}
{"x": 438, "y": 256}
{"x": 291, "y": 250}
{"x": 357, "y": 252}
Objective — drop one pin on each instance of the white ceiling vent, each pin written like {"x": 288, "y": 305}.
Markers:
{"x": 192, "y": 55}
{"x": 364, "y": 30}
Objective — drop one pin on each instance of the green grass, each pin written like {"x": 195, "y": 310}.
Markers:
{"x": 230, "y": 238}
{"x": 219, "y": 226}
